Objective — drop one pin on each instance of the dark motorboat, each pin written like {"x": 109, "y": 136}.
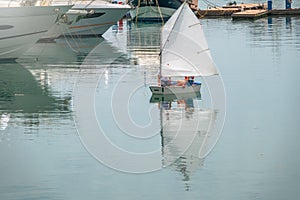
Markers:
{"x": 156, "y": 10}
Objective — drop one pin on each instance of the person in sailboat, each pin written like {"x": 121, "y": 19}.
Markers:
{"x": 183, "y": 82}
{"x": 188, "y": 80}
{"x": 164, "y": 81}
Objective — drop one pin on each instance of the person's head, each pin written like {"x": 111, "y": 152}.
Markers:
{"x": 186, "y": 78}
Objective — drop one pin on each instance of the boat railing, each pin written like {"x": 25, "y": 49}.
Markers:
{"x": 25, "y": 3}
{"x": 22, "y": 3}
{"x": 62, "y": 2}
{"x": 11, "y": 3}
{"x": 55, "y": 2}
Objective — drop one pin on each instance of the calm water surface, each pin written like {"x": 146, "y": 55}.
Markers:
{"x": 46, "y": 99}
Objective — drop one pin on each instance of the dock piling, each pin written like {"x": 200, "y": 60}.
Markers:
{"x": 288, "y": 4}
{"x": 269, "y": 5}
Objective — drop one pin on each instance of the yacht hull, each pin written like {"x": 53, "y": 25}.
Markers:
{"x": 93, "y": 20}
{"x": 21, "y": 27}
{"x": 153, "y": 10}
{"x": 150, "y": 13}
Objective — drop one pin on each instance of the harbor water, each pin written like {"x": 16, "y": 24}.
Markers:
{"x": 78, "y": 120}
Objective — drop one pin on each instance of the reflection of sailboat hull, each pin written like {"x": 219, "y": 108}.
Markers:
{"x": 175, "y": 90}
{"x": 155, "y": 98}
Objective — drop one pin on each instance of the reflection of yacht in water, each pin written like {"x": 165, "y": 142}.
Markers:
{"x": 21, "y": 92}
{"x": 80, "y": 46}
{"x": 42, "y": 80}
{"x": 143, "y": 41}
{"x": 105, "y": 54}
{"x": 63, "y": 50}
{"x": 185, "y": 130}
{"x": 58, "y": 63}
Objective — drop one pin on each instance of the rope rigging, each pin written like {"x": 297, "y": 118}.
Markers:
{"x": 209, "y": 3}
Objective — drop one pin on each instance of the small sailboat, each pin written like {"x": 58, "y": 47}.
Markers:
{"x": 183, "y": 53}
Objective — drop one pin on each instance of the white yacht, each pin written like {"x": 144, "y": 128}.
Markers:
{"x": 88, "y": 18}
{"x": 21, "y": 26}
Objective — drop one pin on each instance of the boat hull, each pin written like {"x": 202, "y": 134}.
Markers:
{"x": 91, "y": 21}
{"x": 175, "y": 90}
{"x": 21, "y": 27}
{"x": 156, "y": 98}
{"x": 153, "y": 10}
{"x": 97, "y": 25}
{"x": 149, "y": 13}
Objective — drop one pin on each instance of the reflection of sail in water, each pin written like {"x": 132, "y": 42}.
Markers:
{"x": 185, "y": 128}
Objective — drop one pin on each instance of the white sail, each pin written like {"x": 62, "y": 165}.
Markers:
{"x": 184, "y": 50}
